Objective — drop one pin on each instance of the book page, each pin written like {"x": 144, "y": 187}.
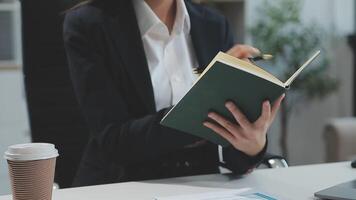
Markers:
{"x": 294, "y": 76}
{"x": 247, "y": 67}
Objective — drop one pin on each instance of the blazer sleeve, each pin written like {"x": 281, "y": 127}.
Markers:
{"x": 235, "y": 160}
{"x": 124, "y": 138}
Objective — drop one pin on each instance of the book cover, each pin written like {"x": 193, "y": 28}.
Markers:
{"x": 226, "y": 78}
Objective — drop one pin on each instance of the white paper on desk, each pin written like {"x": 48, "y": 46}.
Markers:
{"x": 240, "y": 194}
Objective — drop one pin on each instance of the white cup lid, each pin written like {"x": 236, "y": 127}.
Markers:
{"x": 31, "y": 151}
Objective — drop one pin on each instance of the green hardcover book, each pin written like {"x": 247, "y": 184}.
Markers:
{"x": 226, "y": 78}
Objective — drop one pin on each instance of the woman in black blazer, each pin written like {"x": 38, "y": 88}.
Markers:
{"x": 113, "y": 84}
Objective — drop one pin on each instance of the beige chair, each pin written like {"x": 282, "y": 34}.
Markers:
{"x": 340, "y": 139}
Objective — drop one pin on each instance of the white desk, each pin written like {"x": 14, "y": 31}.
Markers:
{"x": 289, "y": 183}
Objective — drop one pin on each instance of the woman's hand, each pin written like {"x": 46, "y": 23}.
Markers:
{"x": 243, "y": 51}
{"x": 245, "y": 136}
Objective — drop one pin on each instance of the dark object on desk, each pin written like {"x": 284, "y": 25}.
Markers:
{"x": 344, "y": 191}
{"x": 273, "y": 161}
{"x": 53, "y": 111}
{"x": 353, "y": 164}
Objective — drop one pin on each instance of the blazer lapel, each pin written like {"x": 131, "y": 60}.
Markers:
{"x": 128, "y": 40}
{"x": 205, "y": 35}
{"x": 205, "y": 38}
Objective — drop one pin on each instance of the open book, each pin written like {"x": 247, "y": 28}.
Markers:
{"x": 226, "y": 78}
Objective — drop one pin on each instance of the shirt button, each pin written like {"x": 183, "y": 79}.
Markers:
{"x": 186, "y": 163}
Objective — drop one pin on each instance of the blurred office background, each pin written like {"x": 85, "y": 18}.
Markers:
{"x": 306, "y": 141}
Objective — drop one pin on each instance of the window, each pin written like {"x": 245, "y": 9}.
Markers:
{"x": 10, "y": 35}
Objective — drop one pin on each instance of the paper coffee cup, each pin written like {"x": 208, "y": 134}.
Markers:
{"x": 31, "y": 170}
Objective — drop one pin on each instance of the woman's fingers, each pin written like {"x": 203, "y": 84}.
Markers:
{"x": 247, "y": 137}
{"x": 243, "y": 51}
{"x": 238, "y": 115}
{"x": 265, "y": 115}
{"x": 227, "y": 124}
{"x": 221, "y": 131}
{"x": 276, "y": 106}
{"x": 268, "y": 114}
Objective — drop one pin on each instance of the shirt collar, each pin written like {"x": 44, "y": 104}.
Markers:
{"x": 147, "y": 19}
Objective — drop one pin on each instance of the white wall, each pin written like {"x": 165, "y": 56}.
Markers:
{"x": 14, "y": 127}
{"x": 306, "y": 143}
{"x": 334, "y": 15}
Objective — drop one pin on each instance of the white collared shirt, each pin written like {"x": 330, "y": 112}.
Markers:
{"x": 170, "y": 56}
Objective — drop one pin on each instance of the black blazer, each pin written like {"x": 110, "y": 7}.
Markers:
{"x": 112, "y": 82}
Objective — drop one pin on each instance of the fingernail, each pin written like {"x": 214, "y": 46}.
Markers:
{"x": 210, "y": 114}
{"x": 266, "y": 103}
{"x": 228, "y": 104}
{"x": 257, "y": 51}
{"x": 283, "y": 95}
